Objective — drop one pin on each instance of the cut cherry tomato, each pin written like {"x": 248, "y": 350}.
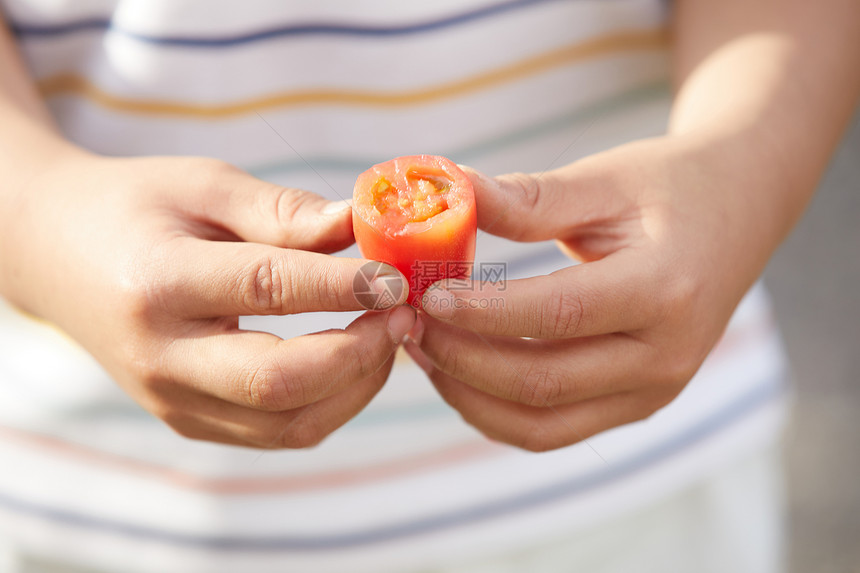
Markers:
{"x": 417, "y": 213}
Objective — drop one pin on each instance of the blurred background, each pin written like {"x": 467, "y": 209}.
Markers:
{"x": 815, "y": 283}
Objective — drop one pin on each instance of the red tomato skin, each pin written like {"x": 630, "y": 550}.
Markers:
{"x": 423, "y": 252}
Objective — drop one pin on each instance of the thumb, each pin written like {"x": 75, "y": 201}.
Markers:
{"x": 542, "y": 206}
{"x": 262, "y": 212}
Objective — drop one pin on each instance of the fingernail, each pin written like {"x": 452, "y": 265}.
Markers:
{"x": 438, "y": 302}
{"x": 418, "y": 357}
{"x": 485, "y": 179}
{"x": 416, "y": 335}
{"x": 400, "y": 321}
{"x": 388, "y": 286}
{"x": 336, "y": 208}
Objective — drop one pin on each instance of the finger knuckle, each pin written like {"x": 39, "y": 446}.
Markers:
{"x": 447, "y": 356}
{"x": 141, "y": 361}
{"x": 147, "y": 373}
{"x": 327, "y": 281}
{"x": 677, "y": 296}
{"x": 141, "y": 290}
{"x": 528, "y": 188}
{"x": 266, "y": 389}
{"x": 685, "y": 287}
{"x": 527, "y": 191}
{"x": 266, "y": 287}
{"x": 142, "y": 304}
{"x": 362, "y": 360}
{"x": 207, "y": 172}
{"x": 563, "y": 314}
{"x": 541, "y": 387}
{"x": 286, "y": 203}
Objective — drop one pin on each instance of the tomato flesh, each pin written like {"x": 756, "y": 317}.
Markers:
{"x": 424, "y": 200}
{"x": 417, "y": 213}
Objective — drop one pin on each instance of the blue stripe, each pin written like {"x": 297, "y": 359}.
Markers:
{"x": 744, "y": 406}
{"x": 25, "y": 30}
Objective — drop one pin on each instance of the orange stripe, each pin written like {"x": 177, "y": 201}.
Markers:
{"x": 261, "y": 485}
{"x": 71, "y": 84}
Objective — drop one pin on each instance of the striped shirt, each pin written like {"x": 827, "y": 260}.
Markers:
{"x": 309, "y": 94}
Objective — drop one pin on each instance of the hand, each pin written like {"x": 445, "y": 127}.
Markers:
{"x": 149, "y": 262}
{"x": 669, "y": 246}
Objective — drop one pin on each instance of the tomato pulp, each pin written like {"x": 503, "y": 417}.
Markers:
{"x": 417, "y": 213}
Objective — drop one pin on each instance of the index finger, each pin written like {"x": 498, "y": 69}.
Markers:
{"x": 618, "y": 293}
{"x": 549, "y": 205}
{"x": 209, "y": 279}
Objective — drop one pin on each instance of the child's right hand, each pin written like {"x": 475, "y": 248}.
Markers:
{"x": 149, "y": 262}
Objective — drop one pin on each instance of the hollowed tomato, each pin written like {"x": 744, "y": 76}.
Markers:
{"x": 417, "y": 213}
